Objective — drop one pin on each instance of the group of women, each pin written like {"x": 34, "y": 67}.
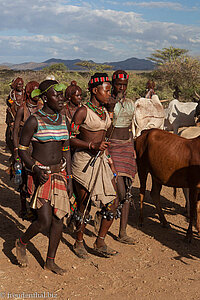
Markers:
{"x": 98, "y": 137}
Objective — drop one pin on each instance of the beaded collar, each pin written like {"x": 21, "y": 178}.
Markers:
{"x": 99, "y": 110}
{"x": 49, "y": 116}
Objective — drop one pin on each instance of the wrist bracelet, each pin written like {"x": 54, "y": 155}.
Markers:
{"x": 89, "y": 146}
{"x": 69, "y": 176}
{"x": 108, "y": 156}
{"x": 15, "y": 148}
{"x": 115, "y": 174}
{"x": 21, "y": 147}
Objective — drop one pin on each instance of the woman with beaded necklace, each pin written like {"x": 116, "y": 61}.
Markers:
{"x": 50, "y": 181}
{"x": 30, "y": 106}
{"x": 93, "y": 181}
{"x": 14, "y": 101}
{"x": 73, "y": 95}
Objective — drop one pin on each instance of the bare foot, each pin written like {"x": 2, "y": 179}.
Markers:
{"x": 100, "y": 242}
{"x": 80, "y": 250}
{"x": 51, "y": 266}
{"x": 125, "y": 239}
{"x": 21, "y": 254}
{"x": 104, "y": 250}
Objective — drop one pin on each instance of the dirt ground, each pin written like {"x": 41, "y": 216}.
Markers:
{"x": 159, "y": 266}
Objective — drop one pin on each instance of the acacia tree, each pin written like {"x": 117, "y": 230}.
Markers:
{"x": 167, "y": 55}
{"x": 56, "y": 67}
{"x": 93, "y": 67}
{"x": 182, "y": 73}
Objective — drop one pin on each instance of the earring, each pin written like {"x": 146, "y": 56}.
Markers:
{"x": 45, "y": 100}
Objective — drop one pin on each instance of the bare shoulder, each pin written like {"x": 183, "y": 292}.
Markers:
{"x": 31, "y": 122}
{"x": 80, "y": 114}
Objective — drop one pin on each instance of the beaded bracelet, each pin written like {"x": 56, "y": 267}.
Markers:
{"x": 21, "y": 147}
{"x": 69, "y": 176}
{"x": 65, "y": 148}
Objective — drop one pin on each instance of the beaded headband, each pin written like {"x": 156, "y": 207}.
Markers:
{"x": 120, "y": 76}
{"x": 98, "y": 79}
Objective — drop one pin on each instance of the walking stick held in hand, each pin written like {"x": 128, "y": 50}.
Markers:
{"x": 92, "y": 163}
{"x": 97, "y": 155}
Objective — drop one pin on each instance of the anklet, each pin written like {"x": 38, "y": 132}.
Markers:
{"x": 50, "y": 257}
{"x": 101, "y": 237}
{"x": 22, "y": 242}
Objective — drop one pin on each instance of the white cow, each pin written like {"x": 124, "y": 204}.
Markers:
{"x": 179, "y": 114}
{"x": 149, "y": 113}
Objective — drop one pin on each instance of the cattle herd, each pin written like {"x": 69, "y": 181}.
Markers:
{"x": 172, "y": 158}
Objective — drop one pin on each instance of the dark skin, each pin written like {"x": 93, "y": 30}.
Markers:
{"x": 20, "y": 118}
{"x": 119, "y": 91}
{"x": 76, "y": 97}
{"x": 73, "y": 104}
{"x": 93, "y": 141}
{"x": 48, "y": 153}
{"x": 11, "y": 112}
{"x": 19, "y": 92}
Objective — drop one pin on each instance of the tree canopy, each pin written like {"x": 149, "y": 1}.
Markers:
{"x": 56, "y": 67}
{"x": 182, "y": 74}
{"x": 167, "y": 55}
{"x": 93, "y": 67}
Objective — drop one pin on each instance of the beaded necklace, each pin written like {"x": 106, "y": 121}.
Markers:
{"x": 98, "y": 110}
{"x": 30, "y": 105}
{"x": 49, "y": 116}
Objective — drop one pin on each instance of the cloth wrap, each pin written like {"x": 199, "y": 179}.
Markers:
{"x": 97, "y": 180}
{"x": 53, "y": 190}
{"x": 122, "y": 154}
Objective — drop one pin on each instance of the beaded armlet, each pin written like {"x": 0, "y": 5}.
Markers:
{"x": 74, "y": 130}
{"x": 65, "y": 148}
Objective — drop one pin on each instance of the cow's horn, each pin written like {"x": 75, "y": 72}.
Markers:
{"x": 197, "y": 94}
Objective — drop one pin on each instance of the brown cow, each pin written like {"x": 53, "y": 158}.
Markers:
{"x": 172, "y": 161}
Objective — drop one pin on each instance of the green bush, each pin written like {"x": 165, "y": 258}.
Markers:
{"x": 136, "y": 87}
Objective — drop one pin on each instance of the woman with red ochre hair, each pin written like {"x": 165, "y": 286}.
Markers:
{"x": 29, "y": 107}
{"x": 73, "y": 95}
{"x": 14, "y": 101}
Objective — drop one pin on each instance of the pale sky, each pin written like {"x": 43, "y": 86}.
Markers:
{"x": 104, "y": 31}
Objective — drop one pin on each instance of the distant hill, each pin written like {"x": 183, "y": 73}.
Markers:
{"x": 27, "y": 66}
{"x": 132, "y": 64}
{"x": 128, "y": 64}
